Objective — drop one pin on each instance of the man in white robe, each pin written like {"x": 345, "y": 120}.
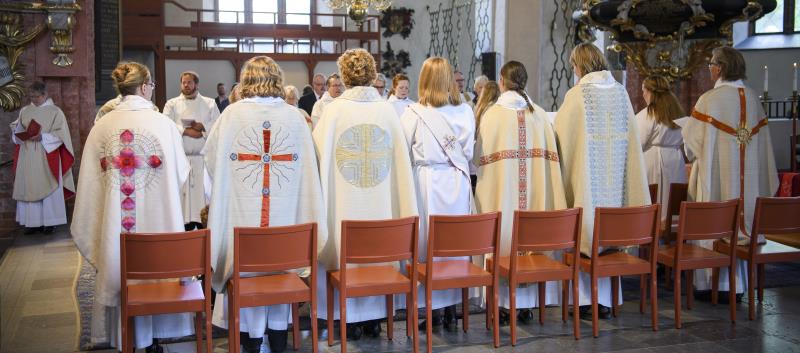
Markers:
{"x": 518, "y": 169}
{"x": 132, "y": 170}
{"x": 366, "y": 175}
{"x": 466, "y": 96}
{"x": 601, "y": 157}
{"x": 194, "y": 115}
{"x": 335, "y": 89}
{"x": 43, "y": 159}
{"x": 726, "y": 167}
{"x": 258, "y": 136}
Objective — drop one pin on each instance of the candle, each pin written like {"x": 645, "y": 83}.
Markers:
{"x": 766, "y": 78}
{"x": 794, "y": 78}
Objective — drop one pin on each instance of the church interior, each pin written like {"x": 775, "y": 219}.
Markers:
{"x": 48, "y": 288}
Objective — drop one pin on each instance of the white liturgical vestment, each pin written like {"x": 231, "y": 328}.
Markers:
{"x": 261, "y": 159}
{"x": 132, "y": 169}
{"x": 400, "y": 104}
{"x": 601, "y": 158}
{"x": 718, "y": 168}
{"x": 662, "y": 156}
{"x": 518, "y": 169}
{"x": 319, "y": 106}
{"x": 366, "y": 175}
{"x": 183, "y": 110}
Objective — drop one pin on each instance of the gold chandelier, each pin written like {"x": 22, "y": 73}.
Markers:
{"x": 358, "y": 9}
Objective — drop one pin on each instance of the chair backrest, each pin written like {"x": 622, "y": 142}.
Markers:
{"x": 678, "y": 193}
{"x": 165, "y": 255}
{"x": 388, "y": 240}
{"x": 708, "y": 220}
{"x": 450, "y": 236}
{"x": 273, "y": 249}
{"x": 546, "y": 230}
{"x": 653, "y": 193}
{"x": 777, "y": 215}
{"x": 625, "y": 226}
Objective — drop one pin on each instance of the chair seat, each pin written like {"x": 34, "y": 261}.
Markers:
{"x": 535, "y": 267}
{"x": 693, "y": 257}
{"x": 771, "y": 251}
{"x": 455, "y": 274}
{"x": 616, "y": 263}
{"x": 272, "y": 289}
{"x": 372, "y": 280}
{"x": 164, "y": 297}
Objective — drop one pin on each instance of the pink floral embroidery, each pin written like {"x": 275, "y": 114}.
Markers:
{"x": 128, "y": 222}
{"x": 127, "y": 188}
{"x": 154, "y": 161}
{"x": 127, "y": 161}
{"x": 126, "y": 136}
{"x": 128, "y": 204}
{"x": 103, "y": 164}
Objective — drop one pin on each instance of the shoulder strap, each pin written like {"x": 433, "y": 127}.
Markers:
{"x": 444, "y": 135}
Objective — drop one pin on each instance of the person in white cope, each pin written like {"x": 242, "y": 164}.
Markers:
{"x": 194, "y": 115}
{"x": 43, "y": 159}
{"x": 440, "y": 132}
{"x": 291, "y": 96}
{"x": 366, "y": 175}
{"x": 307, "y": 101}
{"x": 512, "y": 130}
{"x": 398, "y": 96}
{"x": 335, "y": 89}
{"x": 661, "y": 138}
{"x": 466, "y": 97}
{"x": 380, "y": 84}
{"x": 261, "y": 159}
{"x": 729, "y": 162}
{"x": 112, "y": 104}
{"x": 601, "y": 158}
{"x": 132, "y": 170}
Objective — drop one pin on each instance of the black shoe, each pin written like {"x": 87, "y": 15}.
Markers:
{"x": 525, "y": 316}
{"x": 32, "y": 230}
{"x": 504, "y": 318}
{"x": 188, "y": 226}
{"x": 354, "y": 332}
{"x": 277, "y": 340}
{"x": 450, "y": 321}
{"x": 48, "y": 230}
{"x": 154, "y": 348}
{"x": 251, "y": 345}
{"x": 603, "y": 312}
{"x": 372, "y": 328}
{"x": 436, "y": 320}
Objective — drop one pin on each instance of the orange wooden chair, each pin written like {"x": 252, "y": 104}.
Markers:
{"x": 678, "y": 192}
{"x": 159, "y": 256}
{"x": 621, "y": 227}
{"x": 454, "y": 236}
{"x": 371, "y": 242}
{"x": 273, "y": 250}
{"x": 536, "y": 232}
{"x": 773, "y": 215}
{"x": 702, "y": 221}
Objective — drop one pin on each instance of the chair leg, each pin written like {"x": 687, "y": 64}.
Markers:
{"x": 512, "y": 309}
{"x": 689, "y": 289}
{"x": 714, "y": 285}
{"x": 342, "y": 319}
{"x": 296, "y": 326}
{"x": 126, "y": 342}
{"x": 614, "y": 295}
{"x": 464, "y": 309}
{"x": 654, "y": 300}
{"x": 564, "y": 299}
{"x": 314, "y": 328}
{"x": 233, "y": 323}
{"x": 408, "y": 316}
{"x": 198, "y": 330}
{"x": 595, "y": 318}
{"x": 209, "y": 335}
{"x": 642, "y": 293}
{"x": 761, "y": 268}
{"x": 390, "y": 316}
{"x": 751, "y": 300}
{"x": 415, "y": 317}
{"x": 132, "y": 334}
{"x": 732, "y": 292}
{"x": 329, "y": 299}
{"x": 676, "y": 287}
{"x": 429, "y": 321}
{"x": 541, "y": 286}
{"x": 496, "y": 321}
{"x": 489, "y": 312}
{"x": 576, "y": 319}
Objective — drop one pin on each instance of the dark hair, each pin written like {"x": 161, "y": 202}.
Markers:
{"x": 39, "y": 87}
{"x": 307, "y": 90}
{"x": 220, "y": 84}
{"x": 195, "y": 77}
{"x": 515, "y": 77}
{"x": 333, "y": 76}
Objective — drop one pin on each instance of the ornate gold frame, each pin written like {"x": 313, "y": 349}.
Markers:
{"x": 12, "y": 44}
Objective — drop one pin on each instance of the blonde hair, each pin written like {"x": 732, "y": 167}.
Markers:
{"x": 731, "y": 63}
{"x": 489, "y": 95}
{"x": 396, "y": 80}
{"x": 437, "y": 86}
{"x": 664, "y": 107}
{"x": 128, "y": 76}
{"x": 588, "y": 58}
{"x": 261, "y": 77}
{"x": 357, "y": 67}
{"x": 291, "y": 89}
{"x": 515, "y": 77}
{"x": 235, "y": 94}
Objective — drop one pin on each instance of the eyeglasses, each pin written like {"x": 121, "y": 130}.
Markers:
{"x": 151, "y": 84}
{"x": 710, "y": 64}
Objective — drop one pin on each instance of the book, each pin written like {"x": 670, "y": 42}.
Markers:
{"x": 33, "y": 129}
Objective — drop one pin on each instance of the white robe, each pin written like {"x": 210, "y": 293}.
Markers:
{"x": 102, "y": 209}
{"x": 377, "y": 184}
{"x": 39, "y": 189}
{"x": 400, "y": 104}
{"x": 715, "y": 172}
{"x": 294, "y": 191}
{"x": 112, "y": 104}
{"x": 319, "y": 105}
{"x": 203, "y": 110}
{"x": 601, "y": 158}
{"x": 499, "y": 177}
{"x": 442, "y": 189}
{"x": 662, "y": 156}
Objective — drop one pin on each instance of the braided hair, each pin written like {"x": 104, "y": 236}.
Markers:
{"x": 515, "y": 77}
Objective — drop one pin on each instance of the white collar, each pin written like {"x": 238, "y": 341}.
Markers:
{"x": 737, "y": 84}
{"x": 393, "y": 98}
{"x": 326, "y": 97}
{"x": 362, "y": 94}
{"x": 598, "y": 78}
{"x": 134, "y": 102}
{"x": 48, "y": 101}
{"x": 513, "y": 100}
{"x": 263, "y": 100}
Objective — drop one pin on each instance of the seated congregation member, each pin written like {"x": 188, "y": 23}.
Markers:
{"x": 131, "y": 177}
{"x": 601, "y": 158}
{"x": 335, "y": 89}
{"x": 291, "y": 95}
{"x": 725, "y": 167}
{"x": 261, "y": 159}
{"x": 398, "y": 96}
{"x": 366, "y": 175}
{"x": 512, "y": 125}
{"x": 661, "y": 138}
{"x": 440, "y": 131}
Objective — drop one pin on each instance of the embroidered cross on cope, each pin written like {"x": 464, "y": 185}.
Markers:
{"x": 265, "y": 160}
